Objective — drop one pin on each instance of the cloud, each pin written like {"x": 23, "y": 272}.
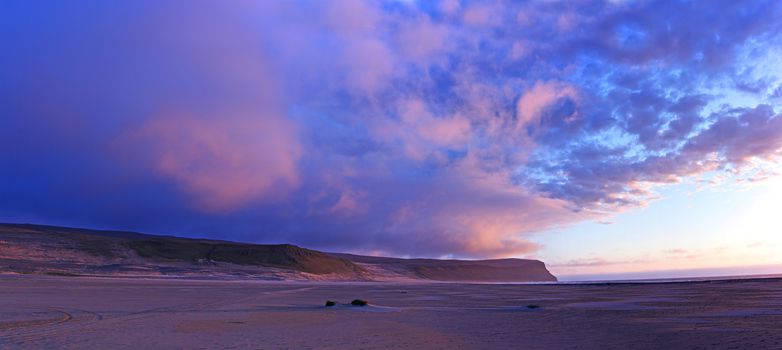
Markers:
{"x": 222, "y": 162}
{"x": 480, "y": 15}
{"x": 541, "y": 97}
{"x": 593, "y": 262}
{"x": 421, "y": 40}
{"x": 679, "y": 253}
{"x": 459, "y": 128}
{"x": 421, "y": 135}
{"x": 761, "y": 244}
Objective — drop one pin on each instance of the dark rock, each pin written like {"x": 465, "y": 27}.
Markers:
{"x": 359, "y": 302}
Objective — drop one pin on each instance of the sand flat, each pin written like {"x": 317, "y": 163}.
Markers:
{"x": 84, "y": 313}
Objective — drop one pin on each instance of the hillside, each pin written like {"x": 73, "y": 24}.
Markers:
{"x": 495, "y": 270}
{"x": 41, "y": 249}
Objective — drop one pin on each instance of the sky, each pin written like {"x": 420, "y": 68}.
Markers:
{"x": 606, "y": 138}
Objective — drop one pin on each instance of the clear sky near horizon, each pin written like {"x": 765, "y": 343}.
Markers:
{"x": 726, "y": 230}
{"x": 610, "y": 139}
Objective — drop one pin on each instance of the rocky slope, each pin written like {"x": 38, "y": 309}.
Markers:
{"x": 495, "y": 270}
{"x": 68, "y": 251}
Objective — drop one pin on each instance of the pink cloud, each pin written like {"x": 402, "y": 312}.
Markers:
{"x": 477, "y": 213}
{"x": 420, "y": 133}
{"x": 524, "y": 17}
{"x": 596, "y": 262}
{"x": 350, "y": 203}
{"x": 366, "y": 60}
{"x": 679, "y": 253}
{"x": 222, "y": 163}
{"x": 421, "y": 39}
{"x": 450, "y": 6}
{"x": 479, "y": 15}
{"x": 369, "y": 65}
{"x": 519, "y": 49}
{"x": 542, "y": 95}
{"x": 567, "y": 21}
{"x": 351, "y": 16}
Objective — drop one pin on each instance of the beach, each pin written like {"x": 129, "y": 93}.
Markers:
{"x": 122, "y": 313}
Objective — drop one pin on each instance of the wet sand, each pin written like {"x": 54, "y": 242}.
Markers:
{"x": 111, "y": 313}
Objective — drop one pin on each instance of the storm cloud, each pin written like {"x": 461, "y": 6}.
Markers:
{"x": 452, "y": 128}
